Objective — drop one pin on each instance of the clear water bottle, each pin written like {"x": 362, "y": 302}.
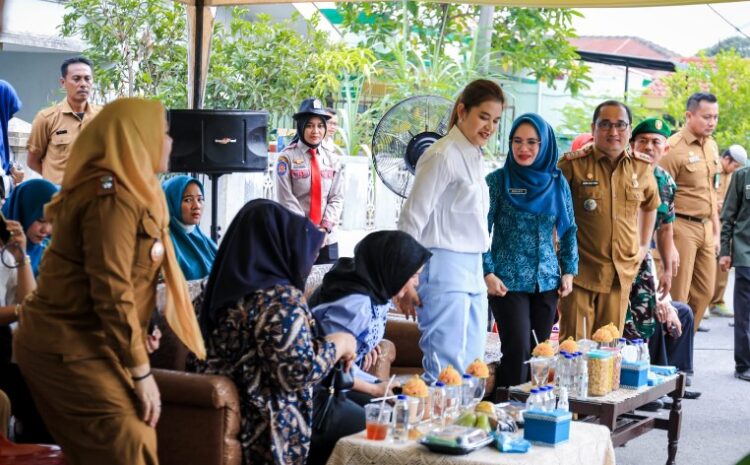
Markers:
{"x": 549, "y": 402}
{"x": 468, "y": 384}
{"x": 573, "y": 372}
{"x": 562, "y": 401}
{"x": 401, "y": 419}
{"x": 532, "y": 403}
{"x": 644, "y": 354}
{"x": 438, "y": 402}
{"x": 570, "y": 380}
{"x": 582, "y": 377}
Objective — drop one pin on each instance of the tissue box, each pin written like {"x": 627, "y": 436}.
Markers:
{"x": 547, "y": 428}
{"x": 634, "y": 375}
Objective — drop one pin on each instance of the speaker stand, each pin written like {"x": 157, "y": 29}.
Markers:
{"x": 214, "y": 177}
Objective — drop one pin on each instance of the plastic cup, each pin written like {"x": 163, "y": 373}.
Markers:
{"x": 377, "y": 425}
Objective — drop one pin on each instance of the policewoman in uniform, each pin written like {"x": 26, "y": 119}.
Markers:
{"x": 308, "y": 176}
{"x": 446, "y": 212}
{"x": 614, "y": 200}
{"x": 81, "y": 342}
{"x": 693, "y": 162}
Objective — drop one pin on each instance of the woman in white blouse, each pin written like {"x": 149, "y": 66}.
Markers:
{"x": 447, "y": 212}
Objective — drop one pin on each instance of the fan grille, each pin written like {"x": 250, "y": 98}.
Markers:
{"x": 403, "y": 134}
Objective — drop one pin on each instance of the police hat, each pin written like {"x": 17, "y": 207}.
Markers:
{"x": 311, "y": 107}
{"x": 737, "y": 153}
{"x": 652, "y": 126}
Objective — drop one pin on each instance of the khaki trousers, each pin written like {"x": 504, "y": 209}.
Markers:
{"x": 89, "y": 407}
{"x": 599, "y": 309}
{"x": 720, "y": 287}
{"x": 694, "y": 283}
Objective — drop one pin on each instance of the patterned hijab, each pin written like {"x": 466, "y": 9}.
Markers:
{"x": 542, "y": 181}
{"x": 126, "y": 139}
{"x": 195, "y": 251}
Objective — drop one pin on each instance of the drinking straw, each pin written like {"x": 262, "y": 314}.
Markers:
{"x": 437, "y": 360}
{"x": 535, "y": 338}
{"x": 585, "y": 334}
{"x": 382, "y": 404}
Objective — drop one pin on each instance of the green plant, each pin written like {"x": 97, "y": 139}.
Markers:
{"x": 728, "y": 77}
{"x": 526, "y": 41}
{"x": 262, "y": 64}
{"x": 138, "y": 47}
{"x": 577, "y": 117}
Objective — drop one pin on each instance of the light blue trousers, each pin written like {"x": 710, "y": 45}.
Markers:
{"x": 453, "y": 316}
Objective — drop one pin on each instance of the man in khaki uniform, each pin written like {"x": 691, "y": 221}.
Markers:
{"x": 732, "y": 159}
{"x": 307, "y": 161}
{"x": 693, "y": 162}
{"x": 54, "y": 129}
{"x": 614, "y": 199}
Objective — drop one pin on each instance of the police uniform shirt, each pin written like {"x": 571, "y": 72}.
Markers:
{"x": 607, "y": 197}
{"x": 694, "y": 167}
{"x": 52, "y": 134}
{"x": 293, "y": 179}
{"x": 448, "y": 205}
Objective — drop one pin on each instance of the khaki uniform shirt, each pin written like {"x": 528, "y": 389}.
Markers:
{"x": 96, "y": 287}
{"x": 52, "y": 134}
{"x": 293, "y": 176}
{"x": 693, "y": 167}
{"x": 606, "y": 202}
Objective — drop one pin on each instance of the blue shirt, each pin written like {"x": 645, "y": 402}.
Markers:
{"x": 357, "y": 315}
{"x": 522, "y": 253}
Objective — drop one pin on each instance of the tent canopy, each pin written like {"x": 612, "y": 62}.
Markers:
{"x": 524, "y": 3}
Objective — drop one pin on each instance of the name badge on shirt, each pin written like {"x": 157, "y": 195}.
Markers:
{"x": 694, "y": 159}
{"x": 61, "y": 131}
{"x": 517, "y": 191}
{"x": 589, "y": 183}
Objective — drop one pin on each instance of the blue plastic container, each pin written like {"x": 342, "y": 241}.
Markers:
{"x": 634, "y": 375}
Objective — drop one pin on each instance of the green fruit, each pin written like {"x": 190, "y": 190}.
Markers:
{"x": 466, "y": 419}
{"x": 483, "y": 423}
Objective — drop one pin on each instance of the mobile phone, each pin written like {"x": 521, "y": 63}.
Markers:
{"x": 4, "y": 233}
{"x": 153, "y": 324}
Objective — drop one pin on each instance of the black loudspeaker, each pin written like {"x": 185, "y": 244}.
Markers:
{"x": 218, "y": 141}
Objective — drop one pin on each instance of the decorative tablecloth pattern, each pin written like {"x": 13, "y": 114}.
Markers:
{"x": 589, "y": 445}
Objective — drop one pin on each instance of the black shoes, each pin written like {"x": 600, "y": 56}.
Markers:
{"x": 743, "y": 375}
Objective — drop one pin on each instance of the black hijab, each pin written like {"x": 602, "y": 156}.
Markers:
{"x": 265, "y": 245}
{"x": 302, "y": 121}
{"x": 383, "y": 262}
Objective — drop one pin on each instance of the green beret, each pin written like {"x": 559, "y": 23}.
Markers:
{"x": 652, "y": 126}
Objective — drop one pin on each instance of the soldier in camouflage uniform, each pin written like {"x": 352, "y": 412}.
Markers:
{"x": 650, "y": 137}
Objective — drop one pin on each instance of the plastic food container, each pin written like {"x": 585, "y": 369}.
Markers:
{"x": 601, "y": 366}
{"x": 616, "y": 365}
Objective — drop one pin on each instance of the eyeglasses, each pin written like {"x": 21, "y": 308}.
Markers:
{"x": 606, "y": 125}
{"x": 531, "y": 143}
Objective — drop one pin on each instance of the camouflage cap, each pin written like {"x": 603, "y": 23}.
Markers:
{"x": 652, "y": 126}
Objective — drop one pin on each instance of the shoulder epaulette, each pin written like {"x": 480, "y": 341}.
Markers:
{"x": 48, "y": 111}
{"x": 642, "y": 157}
{"x": 578, "y": 153}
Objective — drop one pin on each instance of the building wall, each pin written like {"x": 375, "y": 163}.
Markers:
{"x": 35, "y": 76}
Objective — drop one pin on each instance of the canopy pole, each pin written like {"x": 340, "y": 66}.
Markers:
{"x": 627, "y": 76}
{"x": 200, "y": 29}
{"x": 198, "y": 55}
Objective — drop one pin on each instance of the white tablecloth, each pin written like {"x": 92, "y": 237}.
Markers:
{"x": 589, "y": 445}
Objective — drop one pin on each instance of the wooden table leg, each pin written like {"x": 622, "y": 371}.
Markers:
{"x": 675, "y": 420}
